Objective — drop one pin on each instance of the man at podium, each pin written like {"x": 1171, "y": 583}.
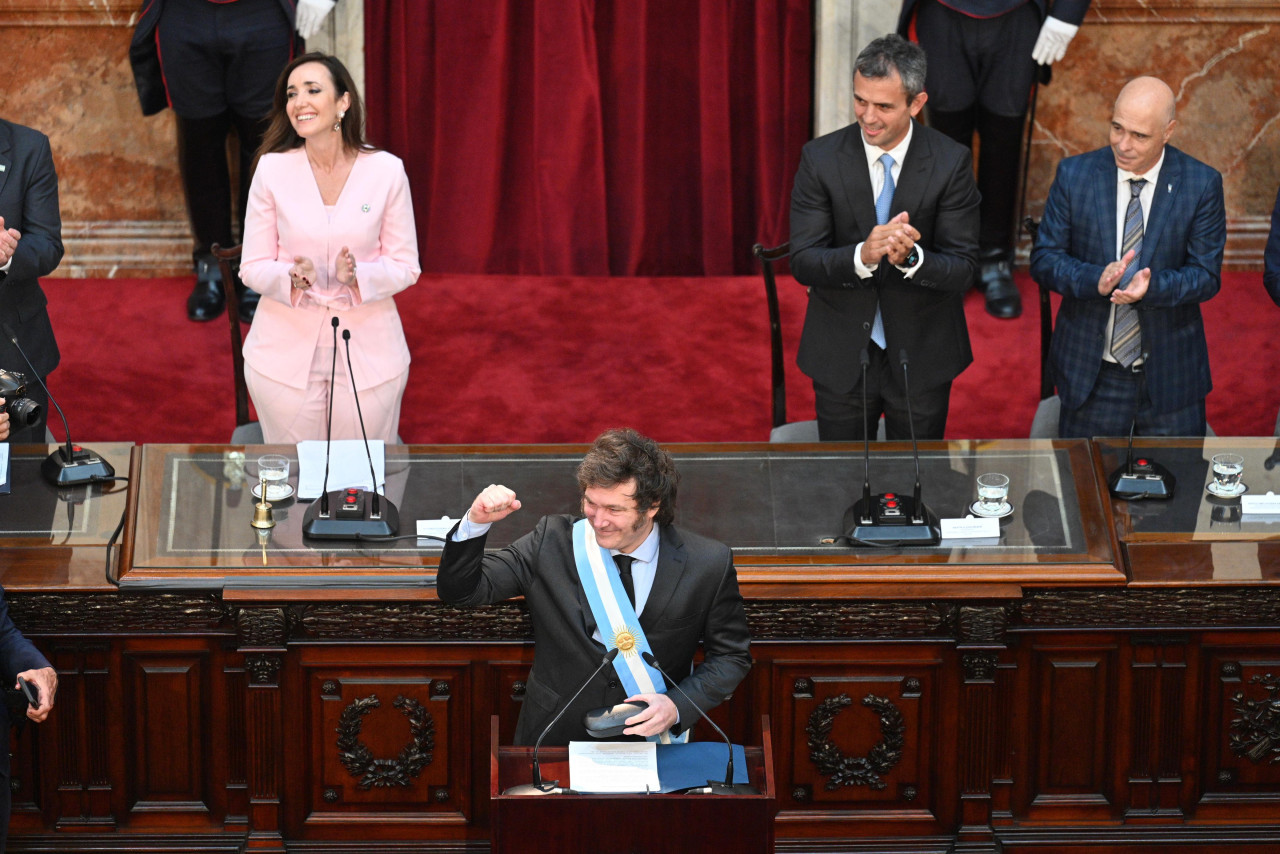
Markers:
{"x": 622, "y": 576}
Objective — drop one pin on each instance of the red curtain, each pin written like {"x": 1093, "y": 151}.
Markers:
{"x": 592, "y": 137}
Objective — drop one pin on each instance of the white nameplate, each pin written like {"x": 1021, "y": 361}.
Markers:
{"x": 1269, "y": 503}
{"x": 970, "y": 527}
{"x": 436, "y": 527}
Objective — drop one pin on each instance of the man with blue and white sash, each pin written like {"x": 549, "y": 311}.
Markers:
{"x": 622, "y": 576}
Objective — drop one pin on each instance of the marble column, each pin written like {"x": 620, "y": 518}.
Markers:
{"x": 841, "y": 29}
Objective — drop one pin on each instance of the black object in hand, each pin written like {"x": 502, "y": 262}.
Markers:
{"x": 31, "y": 692}
{"x": 611, "y": 721}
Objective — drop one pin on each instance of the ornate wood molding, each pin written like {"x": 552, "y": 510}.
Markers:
{"x": 120, "y": 613}
{"x": 412, "y": 621}
{"x": 1207, "y": 607}
{"x": 834, "y": 620}
{"x": 1255, "y": 732}
{"x": 845, "y": 770}
{"x": 359, "y": 760}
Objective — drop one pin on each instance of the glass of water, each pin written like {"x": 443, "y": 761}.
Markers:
{"x": 1227, "y": 470}
{"x": 273, "y": 471}
{"x": 993, "y": 494}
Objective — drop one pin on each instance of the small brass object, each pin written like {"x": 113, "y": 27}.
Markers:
{"x": 262, "y": 517}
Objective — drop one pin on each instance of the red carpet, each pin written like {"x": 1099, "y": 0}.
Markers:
{"x": 509, "y": 359}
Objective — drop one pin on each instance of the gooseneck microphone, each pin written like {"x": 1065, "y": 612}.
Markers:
{"x": 537, "y": 787}
{"x": 727, "y": 787}
{"x": 70, "y": 465}
{"x": 352, "y": 513}
{"x": 1142, "y": 478}
{"x": 890, "y": 520}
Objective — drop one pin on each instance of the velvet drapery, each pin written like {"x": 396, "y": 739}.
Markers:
{"x": 592, "y": 137}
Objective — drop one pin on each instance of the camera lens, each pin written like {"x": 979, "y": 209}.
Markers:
{"x": 24, "y": 412}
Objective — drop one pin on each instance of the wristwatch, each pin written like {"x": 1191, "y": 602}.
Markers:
{"x": 913, "y": 258}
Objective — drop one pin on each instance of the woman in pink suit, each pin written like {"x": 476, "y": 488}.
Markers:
{"x": 329, "y": 234}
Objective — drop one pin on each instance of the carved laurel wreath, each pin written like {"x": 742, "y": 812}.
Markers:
{"x": 855, "y": 770}
{"x": 1255, "y": 734}
{"x": 359, "y": 760}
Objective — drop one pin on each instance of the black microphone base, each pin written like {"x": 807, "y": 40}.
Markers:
{"x": 891, "y": 520}
{"x": 351, "y": 517}
{"x": 85, "y": 466}
{"x": 1145, "y": 480}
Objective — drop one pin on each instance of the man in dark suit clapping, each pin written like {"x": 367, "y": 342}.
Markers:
{"x": 585, "y": 581}
{"x": 30, "y": 247}
{"x": 1132, "y": 237}
{"x": 884, "y": 232}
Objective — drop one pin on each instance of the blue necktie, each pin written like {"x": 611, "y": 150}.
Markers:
{"x": 883, "y": 202}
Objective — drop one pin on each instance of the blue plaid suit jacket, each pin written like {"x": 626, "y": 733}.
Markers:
{"x": 1182, "y": 244}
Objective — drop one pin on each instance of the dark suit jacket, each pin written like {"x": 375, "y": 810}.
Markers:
{"x": 16, "y": 655}
{"x": 833, "y": 209}
{"x": 29, "y": 203}
{"x": 144, "y": 55}
{"x": 1182, "y": 244}
{"x": 1271, "y": 267}
{"x": 1070, "y": 11}
{"x": 694, "y": 599}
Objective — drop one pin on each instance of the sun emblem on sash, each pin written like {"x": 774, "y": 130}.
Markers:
{"x": 625, "y": 640}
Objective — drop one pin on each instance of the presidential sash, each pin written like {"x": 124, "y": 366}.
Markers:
{"x": 615, "y": 615}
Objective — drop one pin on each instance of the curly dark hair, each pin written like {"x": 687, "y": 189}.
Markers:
{"x": 622, "y": 454}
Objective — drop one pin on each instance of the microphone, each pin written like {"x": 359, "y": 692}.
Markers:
{"x": 359, "y": 514}
{"x": 70, "y": 465}
{"x": 537, "y": 787}
{"x": 866, "y": 432}
{"x": 1142, "y": 478}
{"x": 891, "y": 520}
{"x": 728, "y": 787}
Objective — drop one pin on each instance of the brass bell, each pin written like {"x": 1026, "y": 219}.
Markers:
{"x": 262, "y": 517}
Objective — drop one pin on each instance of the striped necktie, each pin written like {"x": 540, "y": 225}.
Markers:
{"x": 1126, "y": 337}
{"x": 883, "y": 202}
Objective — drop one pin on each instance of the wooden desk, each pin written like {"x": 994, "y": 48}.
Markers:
{"x": 1023, "y": 695}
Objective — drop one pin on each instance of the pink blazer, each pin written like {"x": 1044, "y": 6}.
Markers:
{"x": 286, "y": 218}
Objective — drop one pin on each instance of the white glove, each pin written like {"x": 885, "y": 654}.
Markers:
{"x": 1051, "y": 46}
{"x": 311, "y": 14}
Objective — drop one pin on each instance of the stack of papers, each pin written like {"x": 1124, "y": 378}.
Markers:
{"x": 348, "y": 466}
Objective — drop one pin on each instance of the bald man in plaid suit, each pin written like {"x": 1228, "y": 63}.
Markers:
{"x": 1132, "y": 237}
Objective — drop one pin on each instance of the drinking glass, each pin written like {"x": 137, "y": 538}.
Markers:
{"x": 993, "y": 492}
{"x": 1227, "y": 470}
{"x": 273, "y": 470}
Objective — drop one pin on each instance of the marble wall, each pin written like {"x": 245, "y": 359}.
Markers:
{"x": 67, "y": 74}
{"x": 123, "y": 212}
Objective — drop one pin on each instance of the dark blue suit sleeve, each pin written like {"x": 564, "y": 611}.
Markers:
{"x": 1200, "y": 276}
{"x": 1271, "y": 268}
{"x": 1053, "y": 259}
{"x": 17, "y": 654}
{"x": 40, "y": 247}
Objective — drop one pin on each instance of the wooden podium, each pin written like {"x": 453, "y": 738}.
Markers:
{"x": 655, "y": 823}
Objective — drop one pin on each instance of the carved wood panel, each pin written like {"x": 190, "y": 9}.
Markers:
{"x": 169, "y": 697}
{"x": 1240, "y": 765}
{"x": 1072, "y": 732}
{"x": 1159, "y": 706}
{"x": 863, "y": 731}
{"x": 386, "y": 736}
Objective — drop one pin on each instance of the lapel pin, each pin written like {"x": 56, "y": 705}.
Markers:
{"x": 1170, "y": 186}
{"x": 1, "y": 167}
{"x": 364, "y": 208}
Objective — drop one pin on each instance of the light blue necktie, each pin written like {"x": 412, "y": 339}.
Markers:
{"x": 883, "y": 202}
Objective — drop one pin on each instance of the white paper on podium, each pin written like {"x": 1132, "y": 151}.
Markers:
{"x": 348, "y": 466}
{"x": 4, "y": 467}
{"x": 613, "y": 766}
